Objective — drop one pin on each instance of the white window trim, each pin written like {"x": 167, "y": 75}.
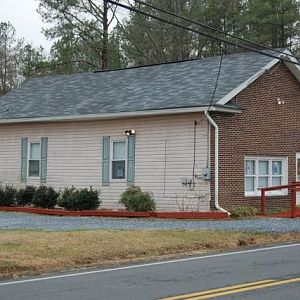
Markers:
{"x": 28, "y": 159}
{"x": 256, "y": 192}
{"x": 111, "y": 159}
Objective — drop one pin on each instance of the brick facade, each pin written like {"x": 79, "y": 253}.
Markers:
{"x": 264, "y": 128}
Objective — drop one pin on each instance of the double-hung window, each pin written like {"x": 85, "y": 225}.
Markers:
{"x": 34, "y": 160}
{"x": 265, "y": 172}
{"x": 118, "y": 163}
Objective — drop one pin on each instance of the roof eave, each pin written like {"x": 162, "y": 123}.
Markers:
{"x": 122, "y": 115}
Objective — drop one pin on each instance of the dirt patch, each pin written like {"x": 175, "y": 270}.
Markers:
{"x": 38, "y": 252}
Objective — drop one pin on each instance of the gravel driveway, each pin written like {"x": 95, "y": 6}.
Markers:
{"x": 54, "y": 223}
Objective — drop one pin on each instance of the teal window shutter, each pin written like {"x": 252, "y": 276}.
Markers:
{"x": 131, "y": 160}
{"x": 44, "y": 154}
{"x": 24, "y": 150}
{"x": 105, "y": 160}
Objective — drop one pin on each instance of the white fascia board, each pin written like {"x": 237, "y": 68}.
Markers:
{"x": 246, "y": 83}
{"x": 295, "y": 69}
{"x": 225, "y": 109}
{"x": 120, "y": 115}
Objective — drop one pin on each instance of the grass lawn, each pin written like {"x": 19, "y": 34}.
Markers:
{"x": 36, "y": 252}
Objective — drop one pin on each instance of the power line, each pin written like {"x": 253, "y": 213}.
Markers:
{"x": 212, "y": 28}
{"x": 217, "y": 80}
{"x": 210, "y": 36}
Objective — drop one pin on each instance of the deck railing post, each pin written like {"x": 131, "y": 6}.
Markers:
{"x": 263, "y": 202}
{"x": 294, "y": 195}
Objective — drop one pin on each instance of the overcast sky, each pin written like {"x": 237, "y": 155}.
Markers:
{"x": 26, "y": 20}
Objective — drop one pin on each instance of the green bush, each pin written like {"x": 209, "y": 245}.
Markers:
{"x": 8, "y": 195}
{"x": 244, "y": 212}
{"x": 25, "y": 195}
{"x": 45, "y": 197}
{"x": 79, "y": 199}
{"x": 136, "y": 200}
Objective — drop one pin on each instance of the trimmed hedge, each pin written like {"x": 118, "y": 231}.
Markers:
{"x": 24, "y": 196}
{"x": 79, "y": 199}
{"x": 136, "y": 200}
{"x": 7, "y": 195}
{"x": 45, "y": 197}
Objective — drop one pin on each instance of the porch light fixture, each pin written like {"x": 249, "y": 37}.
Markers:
{"x": 129, "y": 132}
{"x": 279, "y": 101}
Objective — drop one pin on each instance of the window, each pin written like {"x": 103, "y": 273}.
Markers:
{"x": 34, "y": 160}
{"x": 118, "y": 164}
{"x": 264, "y": 172}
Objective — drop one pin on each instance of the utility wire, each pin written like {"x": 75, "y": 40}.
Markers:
{"x": 213, "y": 29}
{"x": 217, "y": 79}
{"x": 210, "y": 36}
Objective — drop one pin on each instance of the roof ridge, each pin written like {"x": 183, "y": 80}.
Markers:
{"x": 185, "y": 60}
{"x": 154, "y": 64}
{"x": 169, "y": 62}
{"x": 149, "y": 65}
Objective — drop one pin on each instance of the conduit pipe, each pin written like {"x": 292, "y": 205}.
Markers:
{"x": 214, "y": 124}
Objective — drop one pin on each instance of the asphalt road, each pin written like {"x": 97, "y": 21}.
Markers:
{"x": 263, "y": 273}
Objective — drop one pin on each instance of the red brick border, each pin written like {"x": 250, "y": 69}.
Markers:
{"x": 287, "y": 214}
{"x": 118, "y": 214}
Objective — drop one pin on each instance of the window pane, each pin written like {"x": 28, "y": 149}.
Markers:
{"x": 263, "y": 167}
{"x": 119, "y": 150}
{"x": 276, "y": 181}
{"x": 262, "y": 182}
{"x": 118, "y": 169}
{"x": 34, "y": 168}
{"x": 35, "y": 151}
{"x": 249, "y": 184}
{"x": 250, "y": 167}
{"x": 276, "y": 167}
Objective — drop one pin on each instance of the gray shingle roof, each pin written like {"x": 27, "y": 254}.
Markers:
{"x": 173, "y": 85}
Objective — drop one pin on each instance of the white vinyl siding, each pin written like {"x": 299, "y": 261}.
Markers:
{"x": 263, "y": 172}
{"x": 163, "y": 155}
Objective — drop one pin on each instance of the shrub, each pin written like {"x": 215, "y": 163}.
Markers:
{"x": 136, "y": 200}
{"x": 25, "y": 195}
{"x": 79, "y": 199}
{"x": 7, "y": 195}
{"x": 45, "y": 197}
{"x": 244, "y": 212}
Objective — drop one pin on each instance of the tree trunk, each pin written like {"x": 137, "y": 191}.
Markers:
{"x": 282, "y": 43}
{"x": 5, "y": 67}
{"x": 104, "y": 53}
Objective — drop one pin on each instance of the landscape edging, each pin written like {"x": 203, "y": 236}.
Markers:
{"x": 117, "y": 213}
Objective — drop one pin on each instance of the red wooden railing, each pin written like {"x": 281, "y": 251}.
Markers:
{"x": 293, "y": 187}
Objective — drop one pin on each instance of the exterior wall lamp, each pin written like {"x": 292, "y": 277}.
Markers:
{"x": 279, "y": 101}
{"x": 129, "y": 132}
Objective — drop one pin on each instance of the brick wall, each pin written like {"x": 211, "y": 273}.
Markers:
{"x": 263, "y": 129}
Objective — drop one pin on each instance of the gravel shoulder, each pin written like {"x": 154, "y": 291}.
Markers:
{"x": 53, "y": 223}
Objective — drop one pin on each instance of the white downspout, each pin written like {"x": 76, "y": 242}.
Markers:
{"x": 214, "y": 124}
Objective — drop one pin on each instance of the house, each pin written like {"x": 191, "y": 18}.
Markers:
{"x": 162, "y": 127}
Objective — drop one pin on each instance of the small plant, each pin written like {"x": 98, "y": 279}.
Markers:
{"x": 79, "y": 199}
{"x": 136, "y": 200}
{"x": 45, "y": 197}
{"x": 24, "y": 196}
{"x": 244, "y": 212}
{"x": 7, "y": 195}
